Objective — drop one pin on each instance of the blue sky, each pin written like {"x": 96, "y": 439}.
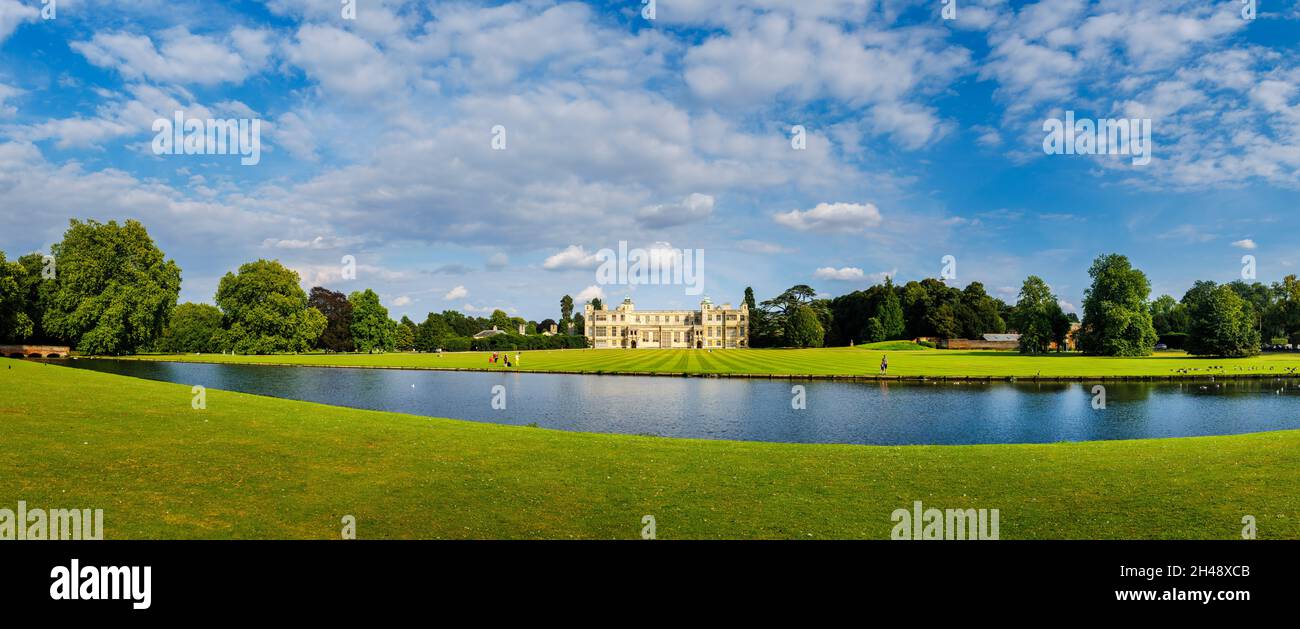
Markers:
{"x": 924, "y": 139}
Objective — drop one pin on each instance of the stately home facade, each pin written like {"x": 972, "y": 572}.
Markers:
{"x": 710, "y": 327}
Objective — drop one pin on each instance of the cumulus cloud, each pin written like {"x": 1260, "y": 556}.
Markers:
{"x": 460, "y": 292}
{"x": 573, "y": 257}
{"x": 402, "y": 301}
{"x": 13, "y": 13}
{"x": 181, "y": 56}
{"x": 851, "y": 274}
{"x": 589, "y": 293}
{"x": 844, "y": 274}
{"x": 1244, "y": 244}
{"x": 832, "y": 217}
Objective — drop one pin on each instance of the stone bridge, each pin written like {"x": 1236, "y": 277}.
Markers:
{"x": 34, "y": 351}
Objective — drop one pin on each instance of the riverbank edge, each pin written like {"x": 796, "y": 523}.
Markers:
{"x": 758, "y": 376}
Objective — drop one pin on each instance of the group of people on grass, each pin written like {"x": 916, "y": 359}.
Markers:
{"x": 496, "y": 358}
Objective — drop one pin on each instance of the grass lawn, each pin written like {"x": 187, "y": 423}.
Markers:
{"x": 842, "y": 361}
{"x": 257, "y": 467}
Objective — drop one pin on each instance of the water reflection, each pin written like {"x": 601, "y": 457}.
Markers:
{"x": 760, "y": 410}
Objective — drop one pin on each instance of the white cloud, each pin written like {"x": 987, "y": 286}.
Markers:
{"x": 845, "y": 274}
{"x": 319, "y": 242}
{"x": 13, "y": 13}
{"x": 573, "y": 257}
{"x": 497, "y": 261}
{"x": 460, "y": 292}
{"x": 344, "y": 64}
{"x": 7, "y": 92}
{"x": 402, "y": 301}
{"x": 851, "y": 274}
{"x": 695, "y": 207}
{"x": 1244, "y": 244}
{"x": 832, "y": 217}
{"x": 182, "y": 57}
{"x": 589, "y": 293}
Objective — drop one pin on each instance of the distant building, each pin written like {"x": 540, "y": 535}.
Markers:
{"x": 710, "y": 327}
{"x": 551, "y": 330}
{"x": 486, "y": 333}
{"x": 988, "y": 341}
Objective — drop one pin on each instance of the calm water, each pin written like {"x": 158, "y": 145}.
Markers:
{"x": 760, "y": 410}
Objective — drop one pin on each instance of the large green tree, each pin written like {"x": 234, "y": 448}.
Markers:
{"x": 431, "y": 334}
{"x": 372, "y": 330}
{"x": 194, "y": 328}
{"x": 113, "y": 291}
{"x": 1036, "y": 316}
{"x": 337, "y": 336}
{"x": 890, "y": 313}
{"x": 15, "y": 324}
{"x": 264, "y": 310}
{"x": 1116, "y": 316}
{"x": 803, "y": 328}
{"x": 566, "y": 308}
{"x": 1222, "y": 322}
{"x": 978, "y": 313}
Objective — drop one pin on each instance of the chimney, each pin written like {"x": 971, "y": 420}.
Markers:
{"x": 555, "y": 328}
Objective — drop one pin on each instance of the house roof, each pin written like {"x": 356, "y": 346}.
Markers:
{"x": 1002, "y": 337}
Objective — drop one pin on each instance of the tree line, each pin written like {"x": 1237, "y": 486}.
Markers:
{"x": 107, "y": 289}
{"x": 1118, "y": 317}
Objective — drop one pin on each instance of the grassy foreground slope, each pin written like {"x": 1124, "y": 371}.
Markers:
{"x": 257, "y": 467}
{"x": 828, "y": 361}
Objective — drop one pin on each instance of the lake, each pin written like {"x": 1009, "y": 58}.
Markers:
{"x": 761, "y": 410}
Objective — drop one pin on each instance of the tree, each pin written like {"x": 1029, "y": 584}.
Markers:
{"x": 15, "y": 324}
{"x": 1222, "y": 322}
{"x": 1168, "y": 316}
{"x": 337, "y": 336}
{"x": 874, "y": 332}
{"x": 500, "y": 319}
{"x": 1035, "y": 313}
{"x": 372, "y": 330}
{"x": 566, "y": 308}
{"x": 978, "y": 313}
{"x": 264, "y": 310}
{"x": 1284, "y": 315}
{"x": 890, "y": 313}
{"x": 430, "y": 334}
{"x": 404, "y": 339}
{"x": 36, "y": 287}
{"x": 803, "y": 329}
{"x": 194, "y": 328}
{"x": 114, "y": 290}
{"x": 1116, "y": 317}
{"x": 778, "y": 310}
{"x": 751, "y": 328}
